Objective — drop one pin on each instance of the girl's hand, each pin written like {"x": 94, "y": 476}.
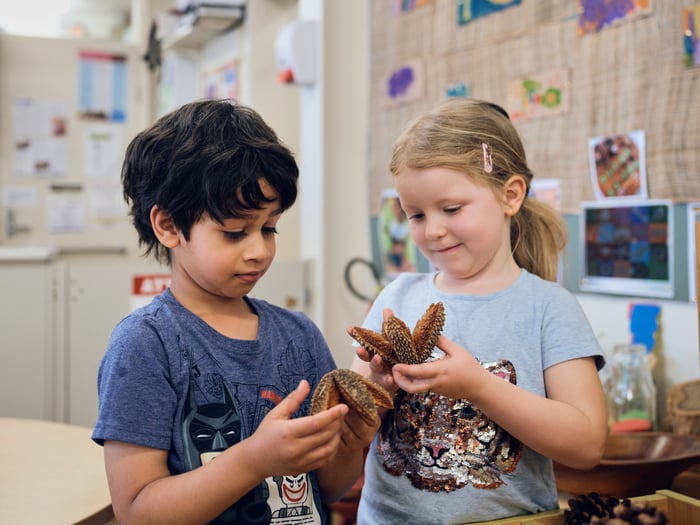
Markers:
{"x": 456, "y": 375}
{"x": 374, "y": 367}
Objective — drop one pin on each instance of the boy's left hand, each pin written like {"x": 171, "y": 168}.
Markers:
{"x": 356, "y": 433}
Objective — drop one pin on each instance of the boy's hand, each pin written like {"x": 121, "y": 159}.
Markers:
{"x": 357, "y": 433}
{"x": 285, "y": 446}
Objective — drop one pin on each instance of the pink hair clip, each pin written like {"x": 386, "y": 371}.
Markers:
{"x": 488, "y": 161}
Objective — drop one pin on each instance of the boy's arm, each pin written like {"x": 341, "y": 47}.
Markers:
{"x": 144, "y": 491}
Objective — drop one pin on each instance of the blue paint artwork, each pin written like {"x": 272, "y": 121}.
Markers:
{"x": 644, "y": 324}
{"x": 400, "y": 82}
{"x": 468, "y": 10}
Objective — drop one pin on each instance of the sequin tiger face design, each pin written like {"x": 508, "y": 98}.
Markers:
{"x": 442, "y": 444}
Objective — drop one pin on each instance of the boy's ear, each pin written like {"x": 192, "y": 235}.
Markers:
{"x": 514, "y": 193}
{"x": 164, "y": 227}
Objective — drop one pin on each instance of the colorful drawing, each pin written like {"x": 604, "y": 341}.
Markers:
{"x": 398, "y": 252}
{"x": 691, "y": 39}
{"x": 468, "y": 10}
{"x": 402, "y": 6}
{"x": 457, "y": 90}
{"x": 596, "y": 14}
{"x": 539, "y": 95}
{"x": 405, "y": 83}
{"x": 618, "y": 167}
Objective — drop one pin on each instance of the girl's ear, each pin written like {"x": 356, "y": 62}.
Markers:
{"x": 164, "y": 227}
{"x": 514, "y": 193}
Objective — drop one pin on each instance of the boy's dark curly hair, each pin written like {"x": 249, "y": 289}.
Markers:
{"x": 206, "y": 157}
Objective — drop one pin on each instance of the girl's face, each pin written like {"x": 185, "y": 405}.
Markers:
{"x": 227, "y": 260}
{"x": 463, "y": 228}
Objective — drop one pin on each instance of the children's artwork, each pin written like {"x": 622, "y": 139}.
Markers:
{"x": 691, "y": 40}
{"x": 539, "y": 95}
{"x": 405, "y": 83}
{"x": 402, "y": 6}
{"x": 468, "y": 10}
{"x": 594, "y": 15}
{"x": 457, "y": 90}
{"x": 618, "y": 167}
{"x": 222, "y": 82}
{"x": 398, "y": 251}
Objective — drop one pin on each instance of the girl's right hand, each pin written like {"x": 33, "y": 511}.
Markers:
{"x": 373, "y": 366}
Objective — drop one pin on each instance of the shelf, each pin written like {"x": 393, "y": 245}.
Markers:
{"x": 203, "y": 23}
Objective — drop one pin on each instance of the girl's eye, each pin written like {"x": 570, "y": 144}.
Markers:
{"x": 415, "y": 217}
{"x": 453, "y": 210}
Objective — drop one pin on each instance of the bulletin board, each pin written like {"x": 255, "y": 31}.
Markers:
{"x": 607, "y": 76}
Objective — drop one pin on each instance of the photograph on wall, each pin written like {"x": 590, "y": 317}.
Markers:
{"x": 595, "y": 15}
{"x": 691, "y": 42}
{"x": 398, "y": 252}
{"x": 539, "y": 95}
{"x": 468, "y": 10}
{"x": 405, "y": 83}
{"x": 618, "y": 167}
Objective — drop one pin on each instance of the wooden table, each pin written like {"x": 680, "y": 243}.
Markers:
{"x": 51, "y": 473}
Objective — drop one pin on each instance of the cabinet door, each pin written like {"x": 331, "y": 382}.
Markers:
{"x": 99, "y": 296}
{"x": 28, "y": 373}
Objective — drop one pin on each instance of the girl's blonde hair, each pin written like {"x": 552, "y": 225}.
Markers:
{"x": 452, "y": 135}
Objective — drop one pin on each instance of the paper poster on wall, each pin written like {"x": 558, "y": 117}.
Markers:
{"x": 691, "y": 38}
{"x": 222, "y": 82}
{"x": 102, "y": 152}
{"x": 398, "y": 250}
{"x": 102, "y": 86}
{"x": 40, "y": 137}
{"x": 539, "y": 95}
{"x": 105, "y": 204}
{"x": 468, "y": 10}
{"x": 618, "y": 166}
{"x": 594, "y": 15}
{"x": 405, "y": 83}
{"x": 65, "y": 212}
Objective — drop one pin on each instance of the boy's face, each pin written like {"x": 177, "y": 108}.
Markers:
{"x": 227, "y": 260}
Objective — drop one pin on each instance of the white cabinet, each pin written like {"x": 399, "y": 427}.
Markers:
{"x": 29, "y": 348}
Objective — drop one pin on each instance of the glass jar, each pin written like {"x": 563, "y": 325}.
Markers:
{"x": 631, "y": 391}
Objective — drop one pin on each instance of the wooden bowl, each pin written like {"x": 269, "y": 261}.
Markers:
{"x": 633, "y": 464}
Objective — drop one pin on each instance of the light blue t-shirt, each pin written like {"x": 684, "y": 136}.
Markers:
{"x": 170, "y": 381}
{"x": 438, "y": 460}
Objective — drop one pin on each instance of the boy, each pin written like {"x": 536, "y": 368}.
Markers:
{"x": 205, "y": 372}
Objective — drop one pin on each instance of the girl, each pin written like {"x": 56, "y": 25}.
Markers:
{"x": 514, "y": 384}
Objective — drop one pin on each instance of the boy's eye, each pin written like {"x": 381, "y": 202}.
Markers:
{"x": 235, "y": 236}
{"x": 269, "y": 230}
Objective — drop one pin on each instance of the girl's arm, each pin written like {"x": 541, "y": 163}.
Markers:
{"x": 144, "y": 491}
{"x": 569, "y": 425}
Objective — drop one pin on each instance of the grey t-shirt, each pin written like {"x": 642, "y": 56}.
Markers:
{"x": 442, "y": 461}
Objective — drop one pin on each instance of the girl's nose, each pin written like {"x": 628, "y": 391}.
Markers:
{"x": 434, "y": 229}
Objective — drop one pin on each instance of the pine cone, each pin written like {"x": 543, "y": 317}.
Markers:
{"x": 592, "y": 509}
